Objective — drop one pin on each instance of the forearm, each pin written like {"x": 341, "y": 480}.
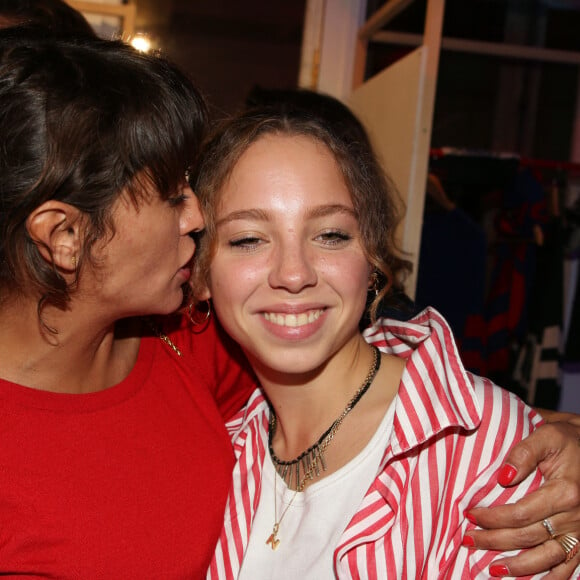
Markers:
{"x": 555, "y": 416}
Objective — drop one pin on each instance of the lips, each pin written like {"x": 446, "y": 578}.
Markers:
{"x": 293, "y": 320}
{"x": 187, "y": 268}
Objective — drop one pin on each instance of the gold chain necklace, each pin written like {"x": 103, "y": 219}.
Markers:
{"x": 163, "y": 337}
{"x": 312, "y": 460}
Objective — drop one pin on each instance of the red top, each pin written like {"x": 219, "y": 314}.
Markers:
{"x": 129, "y": 482}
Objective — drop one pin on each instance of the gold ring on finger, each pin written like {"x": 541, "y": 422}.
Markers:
{"x": 548, "y": 525}
{"x": 569, "y": 544}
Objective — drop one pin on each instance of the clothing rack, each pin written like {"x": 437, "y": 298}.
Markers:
{"x": 521, "y": 330}
{"x": 569, "y": 167}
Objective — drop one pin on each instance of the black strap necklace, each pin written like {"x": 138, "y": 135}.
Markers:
{"x": 297, "y": 472}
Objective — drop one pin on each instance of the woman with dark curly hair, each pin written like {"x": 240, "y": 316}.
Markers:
{"x": 114, "y": 460}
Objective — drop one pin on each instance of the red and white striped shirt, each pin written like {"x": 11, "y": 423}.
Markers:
{"x": 450, "y": 434}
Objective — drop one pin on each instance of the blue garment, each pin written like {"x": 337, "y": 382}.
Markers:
{"x": 452, "y": 265}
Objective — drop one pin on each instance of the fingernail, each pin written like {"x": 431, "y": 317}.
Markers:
{"x": 499, "y": 570}
{"x": 470, "y": 517}
{"x": 506, "y": 474}
{"x": 468, "y": 542}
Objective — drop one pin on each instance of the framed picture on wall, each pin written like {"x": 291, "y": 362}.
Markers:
{"x": 110, "y": 19}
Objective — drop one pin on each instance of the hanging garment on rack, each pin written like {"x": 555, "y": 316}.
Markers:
{"x": 451, "y": 274}
{"x": 475, "y": 181}
{"x": 521, "y": 339}
{"x": 536, "y": 372}
{"x": 571, "y": 356}
{"x": 570, "y": 367}
{"x": 571, "y": 350}
{"x": 513, "y": 273}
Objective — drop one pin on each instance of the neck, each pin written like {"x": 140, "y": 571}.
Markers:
{"x": 304, "y": 411}
{"x": 306, "y": 405}
{"x": 309, "y": 464}
{"x": 82, "y": 354}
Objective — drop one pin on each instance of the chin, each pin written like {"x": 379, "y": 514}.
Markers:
{"x": 170, "y": 306}
{"x": 287, "y": 363}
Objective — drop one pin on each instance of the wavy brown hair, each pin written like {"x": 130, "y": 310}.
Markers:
{"x": 375, "y": 199}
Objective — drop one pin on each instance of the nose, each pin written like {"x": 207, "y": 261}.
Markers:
{"x": 292, "y": 268}
{"x": 191, "y": 218}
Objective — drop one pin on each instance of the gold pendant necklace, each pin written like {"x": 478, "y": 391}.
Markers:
{"x": 273, "y": 540}
{"x": 311, "y": 461}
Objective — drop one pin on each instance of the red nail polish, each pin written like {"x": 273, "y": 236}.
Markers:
{"x": 468, "y": 542}
{"x": 506, "y": 474}
{"x": 499, "y": 570}
{"x": 470, "y": 517}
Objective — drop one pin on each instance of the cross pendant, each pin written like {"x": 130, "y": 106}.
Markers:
{"x": 273, "y": 539}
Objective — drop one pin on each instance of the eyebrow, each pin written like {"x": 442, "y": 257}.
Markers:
{"x": 262, "y": 215}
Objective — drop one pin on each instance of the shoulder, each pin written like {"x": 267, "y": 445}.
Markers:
{"x": 252, "y": 418}
{"x": 503, "y": 412}
{"x": 213, "y": 359}
{"x": 439, "y": 396}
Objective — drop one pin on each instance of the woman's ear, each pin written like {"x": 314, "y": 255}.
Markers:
{"x": 203, "y": 294}
{"x": 199, "y": 286}
{"x": 55, "y": 227}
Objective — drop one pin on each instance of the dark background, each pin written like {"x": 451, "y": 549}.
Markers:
{"x": 230, "y": 46}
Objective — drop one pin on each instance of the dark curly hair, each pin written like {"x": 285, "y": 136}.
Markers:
{"x": 81, "y": 122}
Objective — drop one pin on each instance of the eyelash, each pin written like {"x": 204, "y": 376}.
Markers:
{"x": 335, "y": 238}
{"x": 245, "y": 243}
{"x": 176, "y": 200}
{"x": 329, "y": 239}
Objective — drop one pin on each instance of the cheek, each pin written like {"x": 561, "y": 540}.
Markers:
{"x": 235, "y": 276}
{"x": 229, "y": 293}
{"x": 349, "y": 277}
{"x": 227, "y": 284}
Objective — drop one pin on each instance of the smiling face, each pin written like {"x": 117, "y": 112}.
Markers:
{"x": 289, "y": 276}
{"x": 142, "y": 268}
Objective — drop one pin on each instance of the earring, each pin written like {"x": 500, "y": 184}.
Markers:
{"x": 74, "y": 262}
{"x": 205, "y": 315}
{"x": 374, "y": 283}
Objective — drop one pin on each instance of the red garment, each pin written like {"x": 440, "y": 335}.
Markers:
{"x": 129, "y": 482}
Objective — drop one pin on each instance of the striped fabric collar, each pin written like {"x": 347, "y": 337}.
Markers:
{"x": 436, "y": 392}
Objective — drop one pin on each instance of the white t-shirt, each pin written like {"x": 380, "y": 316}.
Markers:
{"x": 314, "y": 519}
